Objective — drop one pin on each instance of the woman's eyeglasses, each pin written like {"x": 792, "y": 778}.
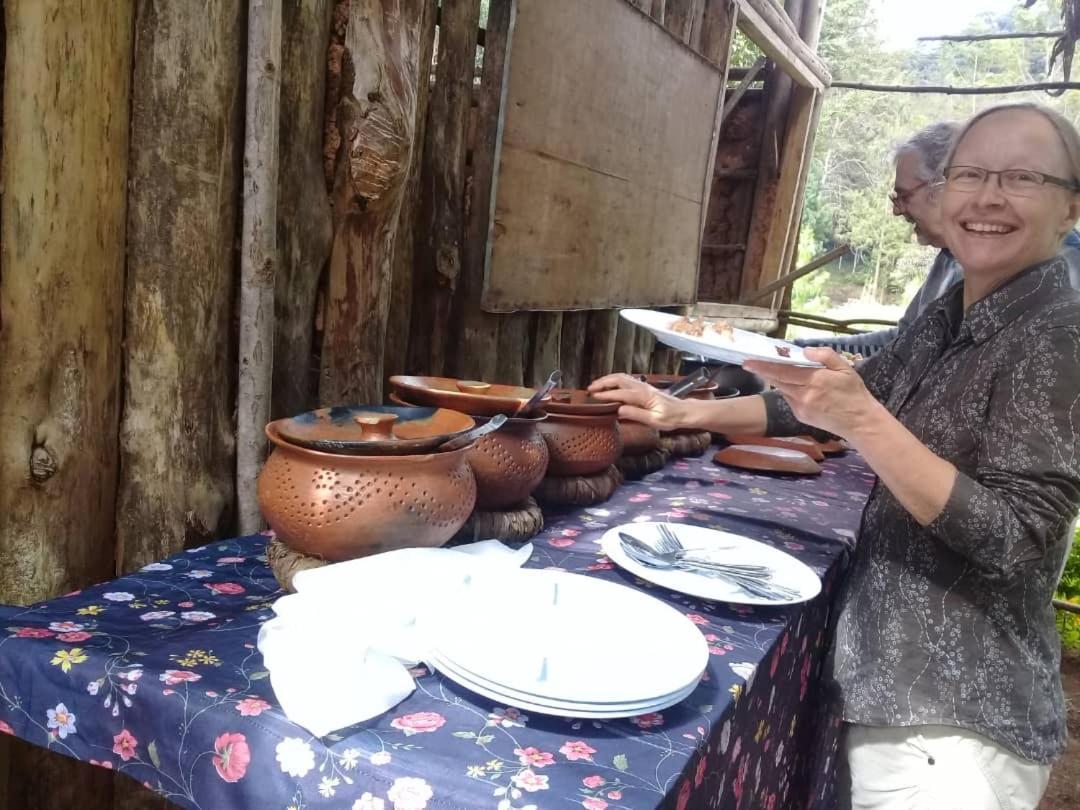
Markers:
{"x": 1015, "y": 182}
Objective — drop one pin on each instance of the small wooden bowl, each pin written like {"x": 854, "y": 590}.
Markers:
{"x": 802, "y": 444}
{"x": 767, "y": 459}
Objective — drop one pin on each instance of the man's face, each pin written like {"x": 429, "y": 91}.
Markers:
{"x": 917, "y": 202}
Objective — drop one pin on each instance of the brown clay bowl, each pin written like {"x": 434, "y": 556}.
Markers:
{"x": 509, "y": 463}
{"x": 637, "y": 439}
{"x": 802, "y": 444}
{"x": 576, "y": 402}
{"x": 767, "y": 459}
{"x": 370, "y": 430}
{"x": 339, "y": 507}
{"x": 707, "y": 391}
{"x": 580, "y": 445}
{"x": 468, "y": 396}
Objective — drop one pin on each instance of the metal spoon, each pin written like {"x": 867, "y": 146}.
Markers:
{"x": 473, "y": 434}
{"x": 552, "y": 382}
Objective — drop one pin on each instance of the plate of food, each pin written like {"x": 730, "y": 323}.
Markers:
{"x": 716, "y": 339}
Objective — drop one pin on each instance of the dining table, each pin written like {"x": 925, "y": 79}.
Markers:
{"x": 157, "y": 675}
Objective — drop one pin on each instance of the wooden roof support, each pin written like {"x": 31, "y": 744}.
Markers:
{"x": 960, "y": 91}
{"x": 773, "y": 31}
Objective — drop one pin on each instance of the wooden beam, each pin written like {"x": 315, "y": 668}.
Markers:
{"x": 985, "y": 37}
{"x": 546, "y": 346}
{"x": 625, "y": 336}
{"x": 773, "y": 32}
{"x": 600, "y": 342}
{"x": 791, "y": 278}
{"x": 998, "y": 90}
{"x": 574, "y": 331}
{"x": 748, "y": 79}
{"x": 514, "y": 346}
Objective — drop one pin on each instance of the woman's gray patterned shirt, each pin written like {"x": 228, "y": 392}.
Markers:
{"x": 952, "y": 623}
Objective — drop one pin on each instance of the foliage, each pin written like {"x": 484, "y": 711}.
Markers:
{"x": 851, "y": 170}
{"x": 1069, "y": 590}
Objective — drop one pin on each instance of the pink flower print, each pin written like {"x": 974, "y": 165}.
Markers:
{"x": 419, "y": 723}
{"x": 717, "y": 650}
{"x": 684, "y": 796}
{"x": 560, "y": 542}
{"x": 534, "y": 757}
{"x": 168, "y": 692}
{"x": 603, "y": 565}
{"x": 529, "y": 781}
{"x": 185, "y": 604}
{"x": 108, "y": 765}
{"x": 642, "y": 498}
{"x": 593, "y": 782}
{"x": 252, "y": 707}
{"x": 229, "y": 560}
{"x": 174, "y": 676}
{"x": 66, "y": 627}
{"x": 649, "y": 720}
{"x": 697, "y": 618}
{"x": 791, "y": 544}
{"x": 570, "y": 532}
{"x": 231, "y": 756}
{"x": 711, "y": 637}
{"x": 594, "y": 804}
{"x": 71, "y": 638}
{"x": 124, "y": 745}
{"x": 576, "y": 749}
{"x": 34, "y": 632}
{"x": 723, "y": 496}
{"x": 615, "y": 795}
{"x": 226, "y": 588}
{"x": 699, "y": 774}
{"x": 5, "y": 728}
{"x": 410, "y": 793}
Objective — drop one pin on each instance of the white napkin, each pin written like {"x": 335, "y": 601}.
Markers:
{"x": 338, "y": 650}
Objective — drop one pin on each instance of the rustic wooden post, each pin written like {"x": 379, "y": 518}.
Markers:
{"x": 177, "y": 445}
{"x": 600, "y": 343}
{"x": 573, "y": 352}
{"x": 546, "y": 346}
{"x": 443, "y": 185}
{"x": 67, "y": 81}
{"x": 304, "y": 229}
{"x": 258, "y": 252}
{"x": 402, "y": 287}
{"x": 377, "y": 121}
{"x": 624, "y": 346}
{"x": 480, "y": 344}
{"x": 514, "y": 347}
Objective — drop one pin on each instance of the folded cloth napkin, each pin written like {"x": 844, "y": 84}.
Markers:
{"x": 338, "y": 650}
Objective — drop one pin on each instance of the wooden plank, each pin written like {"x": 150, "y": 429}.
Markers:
{"x": 186, "y": 132}
{"x": 613, "y": 185}
{"x": 304, "y": 230}
{"x": 600, "y": 342}
{"x": 514, "y": 348}
{"x": 625, "y": 337}
{"x": 377, "y": 119}
{"x": 480, "y": 344}
{"x": 683, "y": 19}
{"x": 572, "y": 354}
{"x": 788, "y": 279}
{"x": 546, "y": 346}
{"x": 403, "y": 284}
{"x": 643, "y": 349}
{"x": 772, "y": 31}
{"x": 439, "y": 241}
{"x": 717, "y": 27}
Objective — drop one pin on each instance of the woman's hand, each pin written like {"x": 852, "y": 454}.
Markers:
{"x": 833, "y": 398}
{"x": 641, "y": 402}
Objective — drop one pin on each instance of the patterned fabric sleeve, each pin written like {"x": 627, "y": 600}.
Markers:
{"x": 1024, "y": 489}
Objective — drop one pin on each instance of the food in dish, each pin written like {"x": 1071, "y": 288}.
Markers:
{"x": 689, "y": 326}
{"x": 724, "y": 330}
{"x": 783, "y": 351}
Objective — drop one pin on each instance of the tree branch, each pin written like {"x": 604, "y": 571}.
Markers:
{"x": 983, "y": 37}
{"x": 963, "y": 91}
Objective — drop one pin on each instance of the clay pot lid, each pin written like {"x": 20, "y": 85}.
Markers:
{"x": 373, "y": 430}
{"x": 474, "y": 397}
{"x": 575, "y": 402}
{"x": 530, "y": 418}
{"x": 663, "y": 381}
{"x": 767, "y": 459}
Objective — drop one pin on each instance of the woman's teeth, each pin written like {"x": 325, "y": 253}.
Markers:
{"x": 987, "y": 227}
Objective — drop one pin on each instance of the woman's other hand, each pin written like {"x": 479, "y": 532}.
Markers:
{"x": 832, "y": 398}
{"x": 640, "y": 402}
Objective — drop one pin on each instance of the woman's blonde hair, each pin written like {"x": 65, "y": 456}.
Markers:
{"x": 1065, "y": 130}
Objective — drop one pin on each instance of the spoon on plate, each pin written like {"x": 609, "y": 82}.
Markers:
{"x": 552, "y": 382}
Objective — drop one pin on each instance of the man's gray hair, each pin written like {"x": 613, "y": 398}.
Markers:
{"x": 931, "y": 145}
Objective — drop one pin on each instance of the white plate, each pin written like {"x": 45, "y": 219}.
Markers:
{"x": 560, "y": 636}
{"x": 719, "y": 546}
{"x": 743, "y": 345}
{"x": 559, "y": 708}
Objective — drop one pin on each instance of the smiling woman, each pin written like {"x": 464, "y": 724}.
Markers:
{"x": 946, "y": 660}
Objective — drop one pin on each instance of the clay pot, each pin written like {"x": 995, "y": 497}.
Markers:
{"x": 726, "y": 375}
{"x": 580, "y": 445}
{"x": 767, "y": 459}
{"x": 468, "y": 396}
{"x": 637, "y": 439}
{"x": 339, "y": 507}
{"x": 373, "y": 430}
{"x": 711, "y": 390}
{"x": 509, "y": 463}
{"x": 577, "y": 402}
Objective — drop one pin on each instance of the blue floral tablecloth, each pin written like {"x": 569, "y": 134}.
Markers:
{"x": 157, "y": 675}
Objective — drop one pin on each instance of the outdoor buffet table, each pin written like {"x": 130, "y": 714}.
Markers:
{"x": 157, "y": 675}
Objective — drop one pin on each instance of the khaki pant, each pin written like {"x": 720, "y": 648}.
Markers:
{"x": 938, "y": 768}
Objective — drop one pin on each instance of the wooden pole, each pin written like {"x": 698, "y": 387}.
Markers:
{"x": 258, "y": 252}
{"x": 546, "y": 346}
{"x": 377, "y": 121}
{"x": 986, "y": 37}
{"x": 305, "y": 230}
{"x": 791, "y": 278}
{"x": 998, "y": 90}
{"x": 177, "y": 437}
{"x": 574, "y": 331}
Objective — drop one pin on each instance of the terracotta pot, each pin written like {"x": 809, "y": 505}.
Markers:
{"x": 767, "y": 459}
{"x": 637, "y": 439}
{"x": 339, "y": 507}
{"x": 711, "y": 390}
{"x": 509, "y": 463}
{"x": 726, "y": 376}
{"x": 803, "y": 444}
{"x": 373, "y": 430}
{"x": 468, "y": 396}
{"x": 578, "y": 402}
{"x": 580, "y": 445}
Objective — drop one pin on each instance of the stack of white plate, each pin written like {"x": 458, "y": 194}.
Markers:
{"x": 565, "y": 644}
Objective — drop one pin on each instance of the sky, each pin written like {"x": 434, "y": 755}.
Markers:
{"x": 901, "y": 21}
